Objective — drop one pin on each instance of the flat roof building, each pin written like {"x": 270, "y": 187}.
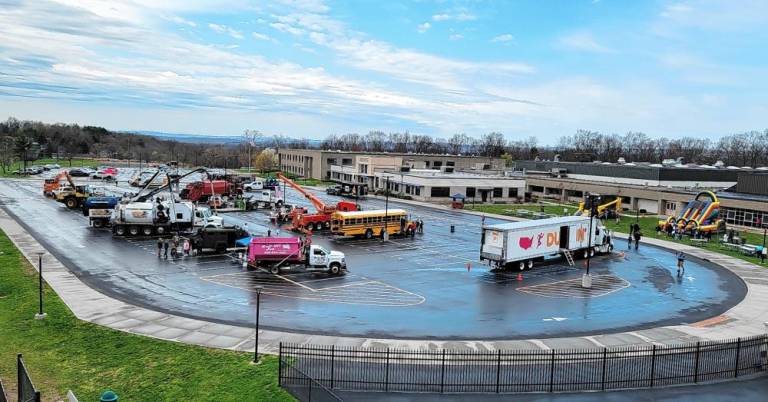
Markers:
{"x": 436, "y": 186}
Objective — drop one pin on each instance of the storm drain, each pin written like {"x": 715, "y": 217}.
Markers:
{"x": 571, "y": 288}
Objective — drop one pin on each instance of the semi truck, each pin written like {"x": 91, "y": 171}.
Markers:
{"x": 265, "y": 198}
{"x": 518, "y": 245}
{"x": 282, "y": 253}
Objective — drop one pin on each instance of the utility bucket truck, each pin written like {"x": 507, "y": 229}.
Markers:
{"x": 318, "y": 221}
{"x": 518, "y": 245}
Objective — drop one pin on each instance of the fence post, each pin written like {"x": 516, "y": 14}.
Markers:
{"x": 333, "y": 359}
{"x": 696, "y": 371}
{"x": 498, "y": 371}
{"x": 738, "y": 352}
{"x": 442, "y": 374}
{"x": 19, "y": 393}
{"x": 280, "y": 365}
{"x": 552, "y": 372}
{"x": 37, "y": 396}
{"x": 605, "y": 359}
{"x": 653, "y": 365}
{"x": 386, "y": 376}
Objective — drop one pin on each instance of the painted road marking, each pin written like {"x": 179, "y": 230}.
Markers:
{"x": 571, "y": 288}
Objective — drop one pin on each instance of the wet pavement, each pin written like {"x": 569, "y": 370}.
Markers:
{"x": 404, "y": 288}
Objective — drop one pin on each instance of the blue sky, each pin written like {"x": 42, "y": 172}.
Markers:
{"x": 309, "y": 68}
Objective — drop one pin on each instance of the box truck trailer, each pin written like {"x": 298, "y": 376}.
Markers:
{"x": 518, "y": 245}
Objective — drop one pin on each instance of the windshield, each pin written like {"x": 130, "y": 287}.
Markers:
{"x": 324, "y": 250}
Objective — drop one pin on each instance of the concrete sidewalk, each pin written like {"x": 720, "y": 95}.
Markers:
{"x": 745, "y": 319}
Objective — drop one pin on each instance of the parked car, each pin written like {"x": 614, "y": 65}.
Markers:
{"x": 254, "y": 185}
{"x": 52, "y": 166}
{"x": 334, "y": 190}
{"x": 79, "y": 172}
{"x": 105, "y": 173}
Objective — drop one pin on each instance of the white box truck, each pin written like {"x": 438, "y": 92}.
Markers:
{"x": 518, "y": 245}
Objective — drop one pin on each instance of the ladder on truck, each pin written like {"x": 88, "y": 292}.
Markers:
{"x": 568, "y": 257}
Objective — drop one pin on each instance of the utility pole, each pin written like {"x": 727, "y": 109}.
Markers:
{"x": 256, "y": 338}
{"x": 40, "y": 314}
{"x": 586, "y": 279}
{"x": 385, "y": 236}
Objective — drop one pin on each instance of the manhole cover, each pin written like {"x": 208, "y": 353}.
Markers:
{"x": 601, "y": 286}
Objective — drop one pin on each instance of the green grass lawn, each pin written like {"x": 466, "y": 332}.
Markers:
{"x": 647, "y": 226}
{"x": 314, "y": 182}
{"x": 64, "y": 353}
{"x": 65, "y": 163}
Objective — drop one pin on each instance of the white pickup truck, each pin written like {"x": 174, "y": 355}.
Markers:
{"x": 518, "y": 245}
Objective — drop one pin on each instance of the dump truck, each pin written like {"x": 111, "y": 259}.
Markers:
{"x": 200, "y": 191}
{"x": 99, "y": 209}
{"x": 518, "y": 245}
{"x": 216, "y": 239}
{"x": 282, "y": 253}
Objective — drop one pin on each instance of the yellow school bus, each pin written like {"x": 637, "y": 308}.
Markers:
{"x": 370, "y": 223}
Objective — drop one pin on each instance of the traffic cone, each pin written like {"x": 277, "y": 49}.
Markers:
{"x": 469, "y": 266}
{"x": 520, "y": 277}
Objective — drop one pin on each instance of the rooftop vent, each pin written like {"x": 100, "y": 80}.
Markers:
{"x": 719, "y": 164}
{"x": 621, "y": 161}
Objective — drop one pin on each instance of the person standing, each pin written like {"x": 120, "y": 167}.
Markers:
{"x": 631, "y": 234}
{"x": 186, "y": 247}
{"x": 637, "y": 235}
{"x": 166, "y": 244}
{"x": 680, "y": 263}
{"x": 159, "y": 246}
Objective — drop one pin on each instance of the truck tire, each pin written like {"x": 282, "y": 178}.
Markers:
{"x": 133, "y": 230}
{"x": 248, "y": 189}
{"x": 318, "y": 226}
{"x": 120, "y": 230}
{"x": 146, "y": 230}
{"x": 521, "y": 265}
{"x": 586, "y": 253}
{"x": 160, "y": 230}
{"x": 71, "y": 203}
{"x": 592, "y": 252}
{"x": 274, "y": 270}
{"x": 369, "y": 234}
{"x": 335, "y": 268}
{"x": 327, "y": 225}
{"x": 97, "y": 223}
{"x": 529, "y": 264}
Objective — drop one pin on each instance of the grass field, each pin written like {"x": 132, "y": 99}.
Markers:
{"x": 64, "y": 353}
{"x": 647, "y": 225}
{"x": 62, "y": 162}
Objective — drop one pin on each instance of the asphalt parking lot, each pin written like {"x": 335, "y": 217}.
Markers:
{"x": 432, "y": 286}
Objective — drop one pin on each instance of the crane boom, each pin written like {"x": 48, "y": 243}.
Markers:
{"x": 148, "y": 195}
{"x": 318, "y": 204}
{"x": 146, "y": 185}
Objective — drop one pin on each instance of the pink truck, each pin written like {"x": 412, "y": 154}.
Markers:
{"x": 282, "y": 253}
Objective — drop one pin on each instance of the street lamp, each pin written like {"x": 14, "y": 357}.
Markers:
{"x": 586, "y": 279}
{"x": 256, "y": 338}
{"x": 40, "y": 314}
{"x": 385, "y": 236}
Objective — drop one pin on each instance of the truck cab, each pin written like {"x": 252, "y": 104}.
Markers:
{"x": 204, "y": 218}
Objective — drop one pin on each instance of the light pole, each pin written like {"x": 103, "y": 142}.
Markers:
{"x": 765, "y": 232}
{"x": 586, "y": 279}
{"x": 256, "y": 338}
{"x": 40, "y": 314}
{"x": 385, "y": 236}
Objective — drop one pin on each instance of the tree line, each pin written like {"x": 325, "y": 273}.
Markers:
{"x": 26, "y": 140}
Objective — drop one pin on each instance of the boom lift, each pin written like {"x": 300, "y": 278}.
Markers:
{"x": 51, "y": 185}
{"x": 321, "y": 220}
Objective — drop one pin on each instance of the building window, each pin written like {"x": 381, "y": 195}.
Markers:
{"x": 671, "y": 206}
{"x": 418, "y": 190}
{"x": 450, "y": 163}
{"x": 441, "y": 192}
{"x": 498, "y": 192}
{"x": 346, "y": 161}
{"x": 470, "y": 192}
{"x": 437, "y": 164}
{"x": 513, "y": 192}
{"x": 426, "y": 163}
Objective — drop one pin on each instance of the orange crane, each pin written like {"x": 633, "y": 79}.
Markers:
{"x": 50, "y": 185}
{"x": 321, "y": 220}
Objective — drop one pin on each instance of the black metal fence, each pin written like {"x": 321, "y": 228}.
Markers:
{"x": 3, "y": 397}
{"x": 351, "y": 368}
{"x": 26, "y": 389}
{"x": 305, "y": 388}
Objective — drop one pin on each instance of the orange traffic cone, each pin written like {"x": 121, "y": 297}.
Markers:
{"x": 519, "y": 277}
{"x": 469, "y": 266}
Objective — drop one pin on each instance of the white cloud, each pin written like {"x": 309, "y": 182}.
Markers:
{"x": 259, "y": 36}
{"x": 583, "y": 41}
{"x": 181, "y": 21}
{"x": 458, "y": 16}
{"x": 456, "y": 37}
{"x": 223, "y": 29}
{"x": 424, "y": 27}
{"x": 282, "y": 27}
{"x": 714, "y": 15}
{"x": 503, "y": 38}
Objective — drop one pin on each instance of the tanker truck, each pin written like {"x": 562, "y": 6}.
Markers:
{"x": 283, "y": 253}
{"x": 160, "y": 217}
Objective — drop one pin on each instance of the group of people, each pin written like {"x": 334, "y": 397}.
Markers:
{"x": 634, "y": 235}
{"x": 164, "y": 244}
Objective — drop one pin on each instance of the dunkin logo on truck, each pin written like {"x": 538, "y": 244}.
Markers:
{"x": 549, "y": 239}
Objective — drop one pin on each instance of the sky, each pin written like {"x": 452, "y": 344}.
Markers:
{"x": 310, "y": 68}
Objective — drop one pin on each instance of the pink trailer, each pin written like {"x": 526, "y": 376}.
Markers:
{"x": 277, "y": 253}
{"x": 286, "y": 249}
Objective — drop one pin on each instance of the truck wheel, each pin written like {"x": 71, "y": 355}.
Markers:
{"x": 133, "y": 230}
{"x": 327, "y": 225}
{"x": 279, "y": 203}
{"x": 160, "y": 230}
{"x": 248, "y": 189}
{"x": 529, "y": 265}
{"x": 318, "y": 226}
{"x": 97, "y": 223}
{"x": 586, "y": 253}
{"x": 146, "y": 230}
{"x": 592, "y": 252}
{"x": 521, "y": 265}
{"x": 335, "y": 269}
{"x": 120, "y": 230}
{"x": 274, "y": 270}
{"x": 369, "y": 234}
{"x": 71, "y": 203}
